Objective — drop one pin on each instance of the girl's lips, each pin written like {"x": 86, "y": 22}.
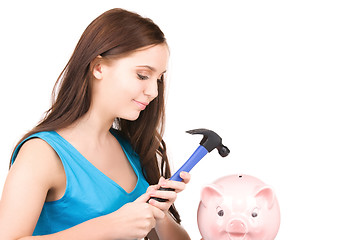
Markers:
{"x": 142, "y": 105}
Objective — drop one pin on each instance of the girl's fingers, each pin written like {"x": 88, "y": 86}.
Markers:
{"x": 152, "y": 189}
{"x": 169, "y": 196}
{"x": 155, "y": 192}
{"x": 177, "y": 186}
{"x": 163, "y": 206}
{"x": 185, "y": 176}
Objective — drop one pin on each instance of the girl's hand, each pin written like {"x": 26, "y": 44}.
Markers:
{"x": 170, "y": 196}
{"x": 134, "y": 220}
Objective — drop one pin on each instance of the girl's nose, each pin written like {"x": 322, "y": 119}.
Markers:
{"x": 151, "y": 89}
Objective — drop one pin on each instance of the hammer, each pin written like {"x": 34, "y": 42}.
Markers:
{"x": 210, "y": 141}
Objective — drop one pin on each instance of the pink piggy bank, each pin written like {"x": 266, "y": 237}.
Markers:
{"x": 238, "y": 207}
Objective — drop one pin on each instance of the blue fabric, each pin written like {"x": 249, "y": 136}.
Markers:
{"x": 89, "y": 192}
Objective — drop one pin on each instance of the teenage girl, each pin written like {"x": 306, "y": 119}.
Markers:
{"x": 89, "y": 168}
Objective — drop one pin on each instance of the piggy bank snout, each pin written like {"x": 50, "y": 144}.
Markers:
{"x": 236, "y": 226}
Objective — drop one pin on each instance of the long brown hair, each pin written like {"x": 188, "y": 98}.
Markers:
{"x": 113, "y": 34}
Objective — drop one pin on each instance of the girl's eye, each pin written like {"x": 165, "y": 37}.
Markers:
{"x": 142, "y": 77}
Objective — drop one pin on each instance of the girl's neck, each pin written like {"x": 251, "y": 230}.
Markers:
{"x": 91, "y": 128}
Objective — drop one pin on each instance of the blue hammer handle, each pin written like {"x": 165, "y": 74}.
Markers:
{"x": 199, "y": 153}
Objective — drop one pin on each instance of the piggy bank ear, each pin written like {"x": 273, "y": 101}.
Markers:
{"x": 266, "y": 196}
{"x": 210, "y": 193}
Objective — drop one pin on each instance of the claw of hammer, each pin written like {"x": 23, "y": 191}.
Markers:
{"x": 211, "y": 140}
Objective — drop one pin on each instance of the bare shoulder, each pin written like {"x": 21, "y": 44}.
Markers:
{"x": 36, "y": 171}
{"x": 36, "y": 146}
{"x": 38, "y": 158}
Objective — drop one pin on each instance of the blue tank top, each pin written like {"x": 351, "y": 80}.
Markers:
{"x": 89, "y": 192}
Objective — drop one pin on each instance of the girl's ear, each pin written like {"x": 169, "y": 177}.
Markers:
{"x": 97, "y": 67}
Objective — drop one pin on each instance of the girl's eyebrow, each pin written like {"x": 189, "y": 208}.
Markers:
{"x": 151, "y": 68}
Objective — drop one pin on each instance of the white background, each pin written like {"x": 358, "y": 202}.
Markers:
{"x": 278, "y": 80}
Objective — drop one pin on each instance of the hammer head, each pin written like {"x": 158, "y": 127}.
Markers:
{"x": 211, "y": 140}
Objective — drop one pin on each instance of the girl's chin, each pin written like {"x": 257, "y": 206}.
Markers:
{"x": 131, "y": 117}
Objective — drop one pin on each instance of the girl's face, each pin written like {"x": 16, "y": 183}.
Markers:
{"x": 125, "y": 86}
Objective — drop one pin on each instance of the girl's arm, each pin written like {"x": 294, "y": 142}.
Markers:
{"x": 37, "y": 171}
{"x": 167, "y": 228}
{"x": 30, "y": 178}
{"x": 132, "y": 221}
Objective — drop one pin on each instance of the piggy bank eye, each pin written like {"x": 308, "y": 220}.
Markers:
{"x": 220, "y": 212}
{"x": 255, "y": 213}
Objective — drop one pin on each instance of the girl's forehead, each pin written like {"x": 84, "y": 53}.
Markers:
{"x": 155, "y": 58}
{"x": 156, "y": 51}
